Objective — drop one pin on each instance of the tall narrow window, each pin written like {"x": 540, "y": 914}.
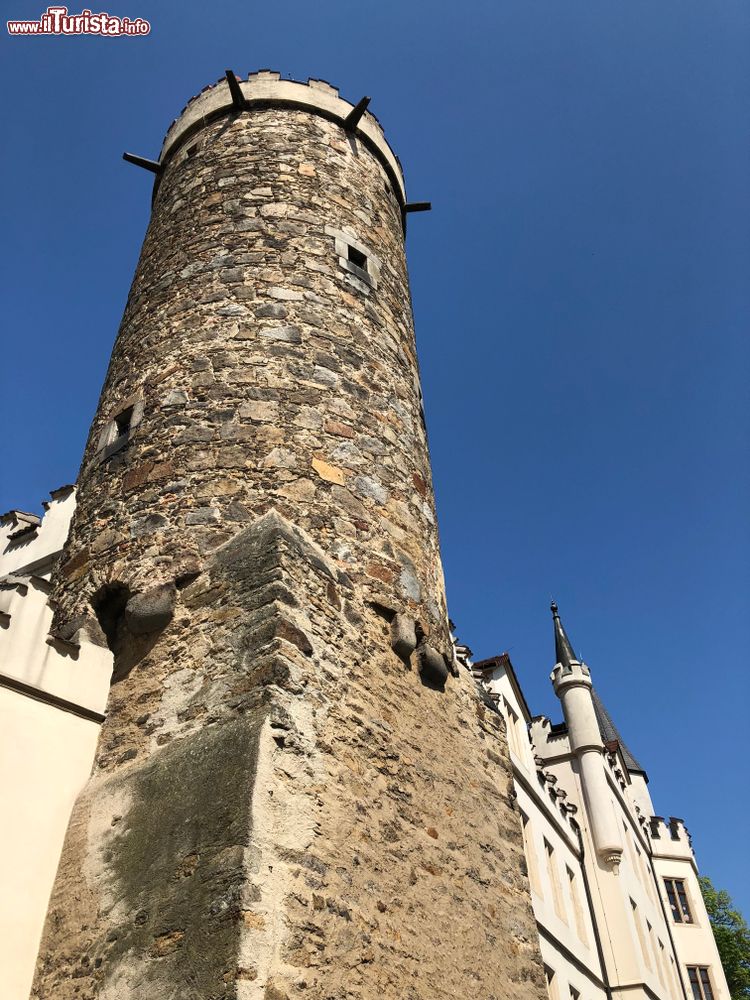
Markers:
{"x": 700, "y": 982}
{"x": 532, "y": 865}
{"x": 652, "y": 947}
{"x": 123, "y": 421}
{"x": 678, "y": 901}
{"x": 551, "y": 978}
{"x": 676, "y": 979}
{"x": 651, "y": 883}
{"x": 641, "y": 936}
{"x": 643, "y": 874}
{"x": 549, "y": 852}
{"x": 512, "y": 719}
{"x": 577, "y": 909}
{"x": 663, "y": 967}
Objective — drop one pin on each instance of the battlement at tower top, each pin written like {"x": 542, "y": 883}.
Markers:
{"x": 265, "y": 88}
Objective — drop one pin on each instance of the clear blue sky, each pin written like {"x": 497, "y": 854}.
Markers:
{"x": 581, "y": 297}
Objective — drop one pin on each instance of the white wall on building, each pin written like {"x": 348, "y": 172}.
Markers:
{"x": 52, "y": 696}
{"x": 626, "y": 939}
{"x": 45, "y": 759}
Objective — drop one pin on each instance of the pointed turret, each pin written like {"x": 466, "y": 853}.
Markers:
{"x": 564, "y": 652}
{"x": 572, "y": 683}
{"x": 565, "y": 656}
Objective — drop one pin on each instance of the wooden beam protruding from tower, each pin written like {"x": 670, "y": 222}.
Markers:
{"x": 353, "y": 118}
{"x": 238, "y": 98}
{"x": 418, "y": 206}
{"x": 140, "y": 161}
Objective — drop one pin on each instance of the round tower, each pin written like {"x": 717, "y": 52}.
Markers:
{"x": 266, "y": 359}
{"x": 289, "y": 785}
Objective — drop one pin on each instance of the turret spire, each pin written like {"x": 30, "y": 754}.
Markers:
{"x": 564, "y": 652}
{"x": 565, "y": 655}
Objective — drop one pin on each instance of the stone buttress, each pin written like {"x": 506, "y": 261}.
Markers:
{"x": 296, "y": 792}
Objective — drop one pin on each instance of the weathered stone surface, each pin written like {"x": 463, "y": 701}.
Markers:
{"x": 271, "y": 309}
{"x": 254, "y": 828}
{"x": 152, "y": 610}
{"x": 203, "y": 515}
{"x": 177, "y": 397}
{"x": 286, "y": 294}
{"x": 432, "y": 666}
{"x": 370, "y": 487}
{"x": 148, "y": 525}
{"x": 328, "y": 472}
{"x": 410, "y": 584}
{"x": 260, "y": 411}
{"x": 403, "y": 636}
{"x": 287, "y": 334}
{"x": 335, "y": 427}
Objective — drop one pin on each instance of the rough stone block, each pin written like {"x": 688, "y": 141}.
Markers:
{"x": 152, "y": 610}
{"x": 403, "y": 636}
{"x": 177, "y": 397}
{"x": 287, "y": 334}
{"x": 203, "y": 515}
{"x": 432, "y": 666}
{"x": 272, "y": 310}
{"x": 328, "y": 472}
{"x": 371, "y": 488}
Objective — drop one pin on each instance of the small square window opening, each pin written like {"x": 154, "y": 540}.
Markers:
{"x": 357, "y": 258}
{"x": 118, "y": 430}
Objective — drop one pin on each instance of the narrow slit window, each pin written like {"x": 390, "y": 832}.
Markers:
{"x": 554, "y": 880}
{"x": 357, "y": 258}
{"x": 532, "y": 866}
{"x": 512, "y": 728}
{"x": 551, "y": 978}
{"x": 124, "y": 420}
{"x": 641, "y": 935}
{"x": 577, "y": 909}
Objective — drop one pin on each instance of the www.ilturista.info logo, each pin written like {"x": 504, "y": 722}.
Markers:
{"x": 57, "y": 21}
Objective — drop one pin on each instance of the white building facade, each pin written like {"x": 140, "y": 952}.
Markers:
{"x": 52, "y": 698}
{"x": 614, "y": 887}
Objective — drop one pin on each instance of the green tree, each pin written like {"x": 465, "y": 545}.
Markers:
{"x": 732, "y": 938}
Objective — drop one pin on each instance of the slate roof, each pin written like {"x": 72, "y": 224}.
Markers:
{"x": 610, "y": 732}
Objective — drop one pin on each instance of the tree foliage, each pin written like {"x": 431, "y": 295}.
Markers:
{"x": 732, "y": 938}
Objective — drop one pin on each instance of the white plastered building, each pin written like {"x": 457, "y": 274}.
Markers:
{"x": 614, "y": 888}
{"x": 52, "y": 698}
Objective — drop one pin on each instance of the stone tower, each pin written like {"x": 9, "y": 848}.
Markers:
{"x": 292, "y": 796}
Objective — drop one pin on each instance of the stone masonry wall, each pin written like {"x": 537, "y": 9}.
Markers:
{"x": 289, "y": 798}
{"x": 270, "y": 376}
